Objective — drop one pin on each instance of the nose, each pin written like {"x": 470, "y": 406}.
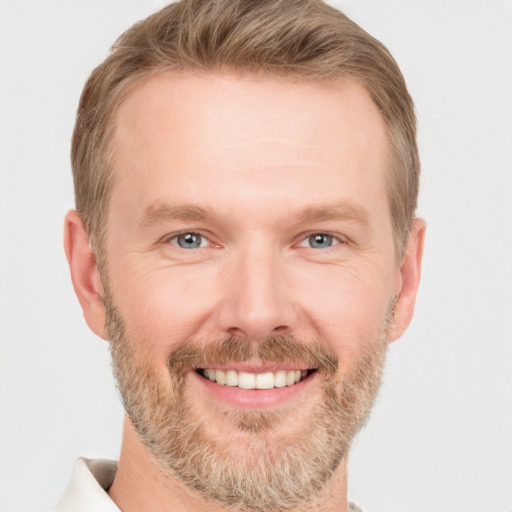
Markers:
{"x": 257, "y": 296}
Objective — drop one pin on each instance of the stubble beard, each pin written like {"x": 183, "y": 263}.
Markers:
{"x": 265, "y": 471}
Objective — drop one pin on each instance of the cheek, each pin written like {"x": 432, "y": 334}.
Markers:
{"x": 162, "y": 306}
{"x": 347, "y": 308}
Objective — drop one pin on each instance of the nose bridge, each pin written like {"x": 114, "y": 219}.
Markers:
{"x": 257, "y": 300}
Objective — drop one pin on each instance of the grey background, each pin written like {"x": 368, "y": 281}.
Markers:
{"x": 440, "y": 438}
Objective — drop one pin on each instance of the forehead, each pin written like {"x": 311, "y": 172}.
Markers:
{"x": 186, "y": 131}
{"x": 242, "y": 106}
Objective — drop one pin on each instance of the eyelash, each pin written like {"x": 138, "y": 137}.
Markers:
{"x": 337, "y": 240}
{"x": 304, "y": 238}
{"x": 173, "y": 239}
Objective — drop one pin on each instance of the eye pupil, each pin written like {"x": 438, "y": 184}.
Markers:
{"x": 320, "y": 241}
{"x": 189, "y": 241}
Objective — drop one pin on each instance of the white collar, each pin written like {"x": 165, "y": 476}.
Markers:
{"x": 86, "y": 491}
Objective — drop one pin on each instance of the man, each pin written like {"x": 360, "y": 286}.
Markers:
{"x": 246, "y": 178}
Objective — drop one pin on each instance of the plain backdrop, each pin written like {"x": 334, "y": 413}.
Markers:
{"x": 440, "y": 437}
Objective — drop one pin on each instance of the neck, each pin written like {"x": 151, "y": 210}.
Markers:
{"x": 141, "y": 485}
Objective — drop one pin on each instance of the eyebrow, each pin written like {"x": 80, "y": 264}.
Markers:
{"x": 160, "y": 212}
{"x": 346, "y": 211}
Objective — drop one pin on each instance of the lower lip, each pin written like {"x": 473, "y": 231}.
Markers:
{"x": 254, "y": 398}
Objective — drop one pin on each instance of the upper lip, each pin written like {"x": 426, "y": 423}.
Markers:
{"x": 255, "y": 368}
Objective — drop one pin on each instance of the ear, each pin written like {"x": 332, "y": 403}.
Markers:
{"x": 409, "y": 279}
{"x": 84, "y": 272}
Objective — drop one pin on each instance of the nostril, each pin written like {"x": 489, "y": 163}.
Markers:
{"x": 236, "y": 332}
{"x": 280, "y": 329}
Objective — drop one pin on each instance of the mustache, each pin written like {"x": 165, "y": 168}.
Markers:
{"x": 280, "y": 349}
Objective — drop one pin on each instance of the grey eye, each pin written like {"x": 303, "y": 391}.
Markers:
{"x": 189, "y": 241}
{"x": 320, "y": 241}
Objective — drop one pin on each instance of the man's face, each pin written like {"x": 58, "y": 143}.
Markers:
{"x": 249, "y": 244}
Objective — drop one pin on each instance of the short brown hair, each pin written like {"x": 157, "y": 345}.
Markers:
{"x": 298, "y": 39}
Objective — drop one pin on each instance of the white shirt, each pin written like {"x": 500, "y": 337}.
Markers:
{"x": 87, "y": 489}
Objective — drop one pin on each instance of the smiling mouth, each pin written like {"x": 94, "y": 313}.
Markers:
{"x": 248, "y": 380}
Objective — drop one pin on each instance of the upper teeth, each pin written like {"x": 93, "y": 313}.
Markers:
{"x": 246, "y": 380}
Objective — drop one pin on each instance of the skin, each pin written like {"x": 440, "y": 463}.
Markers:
{"x": 272, "y": 162}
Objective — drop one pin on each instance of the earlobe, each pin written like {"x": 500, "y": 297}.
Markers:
{"x": 409, "y": 280}
{"x": 84, "y": 272}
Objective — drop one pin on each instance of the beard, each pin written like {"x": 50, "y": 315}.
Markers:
{"x": 260, "y": 466}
